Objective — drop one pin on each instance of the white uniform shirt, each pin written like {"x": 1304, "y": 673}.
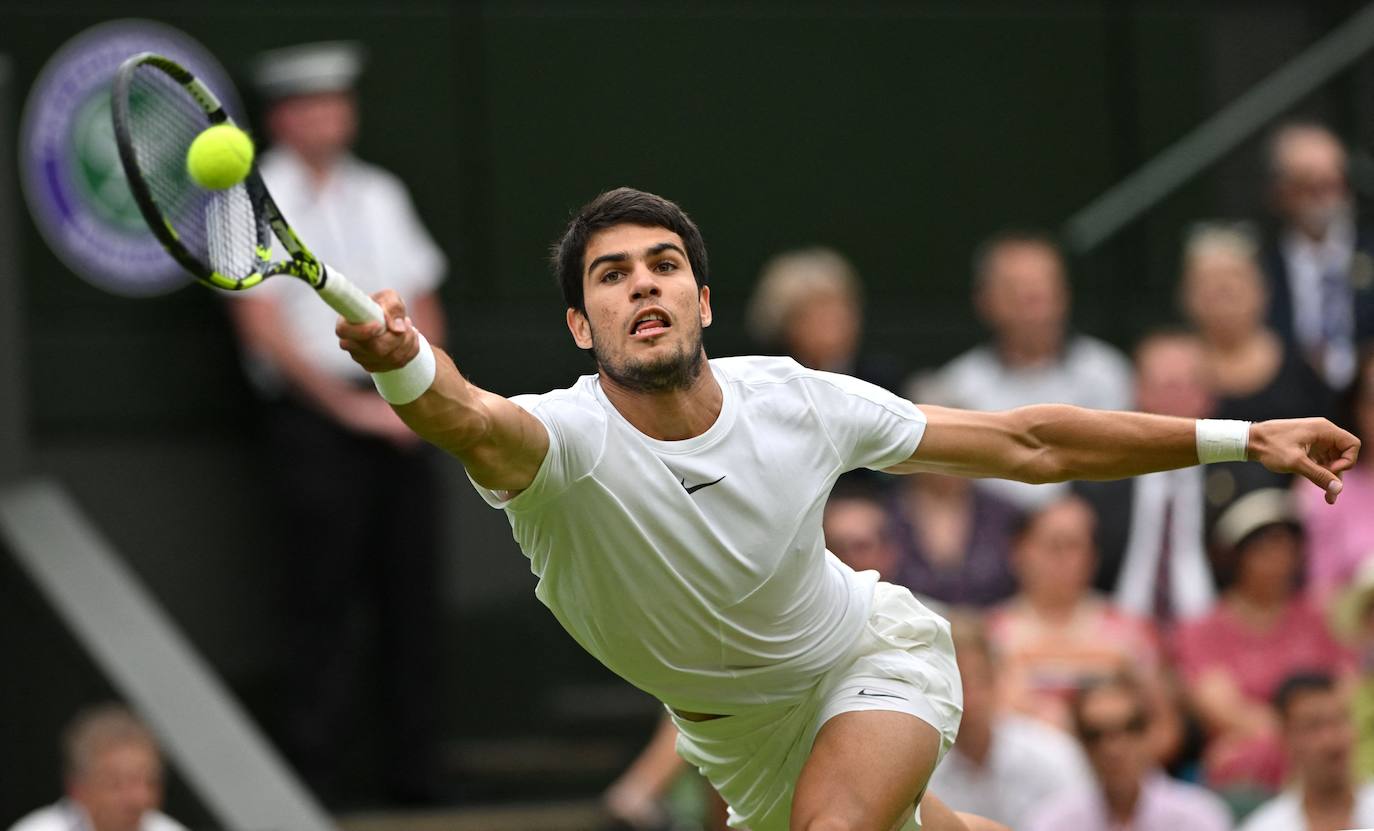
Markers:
{"x": 696, "y": 569}
{"x": 1192, "y": 589}
{"x": 1028, "y": 762}
{"x": 1091, "y": 374}
{"x": 361, "y": 222}
{"x": 68, "y": 816}
{"x": 1284, "y": 812}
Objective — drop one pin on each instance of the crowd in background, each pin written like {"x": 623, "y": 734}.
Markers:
{"x": 1189, "y": 649}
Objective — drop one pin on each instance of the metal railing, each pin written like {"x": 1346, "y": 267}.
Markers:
{"x": 1209, "y": 142}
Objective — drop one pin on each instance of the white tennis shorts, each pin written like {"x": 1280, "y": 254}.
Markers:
{"x": 903, "y": 661}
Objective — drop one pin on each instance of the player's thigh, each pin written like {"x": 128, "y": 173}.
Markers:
{"x": 866, "y": 770}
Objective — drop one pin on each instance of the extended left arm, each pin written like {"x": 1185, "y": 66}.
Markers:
{"x": 1058, "y": 442}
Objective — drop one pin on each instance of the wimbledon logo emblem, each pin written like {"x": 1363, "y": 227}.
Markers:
{"x": 69, "y": 165}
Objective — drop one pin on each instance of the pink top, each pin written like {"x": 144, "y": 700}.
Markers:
{"x": 1044, "y": 662}
{"x": 1259, "y": 661}
{"x": 1340, "y": 536}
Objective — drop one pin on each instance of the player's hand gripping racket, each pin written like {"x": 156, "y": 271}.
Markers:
{"x": 222, "y": 237}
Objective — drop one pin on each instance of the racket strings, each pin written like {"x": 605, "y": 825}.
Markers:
{"x": 219, "y": 228}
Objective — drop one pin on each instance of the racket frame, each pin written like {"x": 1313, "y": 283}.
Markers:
{"x": 342, "y": 295}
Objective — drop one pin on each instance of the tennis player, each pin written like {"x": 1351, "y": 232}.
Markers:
{"x": 671, "y": 509}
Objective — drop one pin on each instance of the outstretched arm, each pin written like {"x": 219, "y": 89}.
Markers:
{"x": 500, "y": 444}
{"x": 1058, "y": 442}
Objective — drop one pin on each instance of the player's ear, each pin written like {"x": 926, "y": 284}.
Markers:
{"x": 705, "y": 306}
{"x": 580, "y": 327}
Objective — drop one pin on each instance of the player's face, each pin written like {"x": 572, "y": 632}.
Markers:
{"x": 644, "y": 312}
{"x": 122, "y": 783}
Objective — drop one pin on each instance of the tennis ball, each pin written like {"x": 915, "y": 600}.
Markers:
{"x": 220, "y": 157}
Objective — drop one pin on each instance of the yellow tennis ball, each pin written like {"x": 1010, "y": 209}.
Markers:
{"x": 220, "y": 157}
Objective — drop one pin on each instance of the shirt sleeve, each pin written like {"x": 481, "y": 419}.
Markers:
{"x": 577, "y": 436}
{"x": 867, "y": 425}
{"x": 419, "y": 263}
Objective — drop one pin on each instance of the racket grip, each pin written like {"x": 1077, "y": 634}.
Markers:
{"x": 347, "y": 299}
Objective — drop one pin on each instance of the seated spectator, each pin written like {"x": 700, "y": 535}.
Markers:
{"x": 808, "y": 304}
{"x": 1056, "y": 636}
{"x": 1261, "y": 631}
{"x": 1253, "y": 373}
{"x": 1112, "y": 719}
{"x": 1341, "y": 537}
{"x": 1151, "y": 537}
{"x": 1021, "y": 293}
{"x": 112, "y": 774}
{"x": 954, "y": 538}
{"x": 1004, "y": 765}
{"x": 859, "y": 532}
{"x": 1318, "y": 739}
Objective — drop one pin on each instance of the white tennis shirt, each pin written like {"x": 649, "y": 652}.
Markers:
{"x": 696, "y": 569}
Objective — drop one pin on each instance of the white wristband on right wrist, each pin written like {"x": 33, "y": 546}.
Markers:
{"x": 1222, "y": 440}
{"x": 404, "y": 385}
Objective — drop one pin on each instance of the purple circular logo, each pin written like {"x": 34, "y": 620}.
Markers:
{"x": 69, "y": 164}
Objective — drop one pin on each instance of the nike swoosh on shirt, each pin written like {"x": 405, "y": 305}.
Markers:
{"x": 694, "y": 488}
{"x": 870, "y": 694}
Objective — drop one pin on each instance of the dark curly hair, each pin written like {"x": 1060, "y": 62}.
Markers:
{"x": 622, "y": 206}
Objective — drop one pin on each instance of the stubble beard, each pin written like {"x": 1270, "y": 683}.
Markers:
{"x": 675, "y": 371}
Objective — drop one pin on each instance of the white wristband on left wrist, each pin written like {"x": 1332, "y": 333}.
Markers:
{"x": 404, "y": 385}
{"x": 1222, "y": 440}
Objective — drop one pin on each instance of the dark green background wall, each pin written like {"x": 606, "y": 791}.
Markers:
{"x": 899, "y": 133}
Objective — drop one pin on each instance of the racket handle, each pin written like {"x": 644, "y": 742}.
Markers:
{"x": 348, "y": 300}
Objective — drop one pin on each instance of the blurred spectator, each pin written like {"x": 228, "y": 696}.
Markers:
{"x": 1352, "y": 619}
{"x": 1021, "y": 292}
{"x": 1003, "y": 765}
{"x": 1056, "y": 636}
{"x": 1253, "y": 373}
{"x": 954, "y": 539}
{"x": 1261, "y": 631}
{"x": 1318, "y": 739}
{"x": 113, "y": 777}
{"x": 1151, "y": 537}
{"x": 1112, "y": 718}
{"x": 1341, "y": 537}
{"x": 1321, "y": 274}
{"x": 808, "y": 304}
{"x": 362, "y": 566}
{"x": 859, "y": 532}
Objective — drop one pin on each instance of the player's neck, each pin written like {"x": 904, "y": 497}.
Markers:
{"x": 669, "y": 416}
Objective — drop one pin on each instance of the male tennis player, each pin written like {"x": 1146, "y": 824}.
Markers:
{"x": 671, "y": 508}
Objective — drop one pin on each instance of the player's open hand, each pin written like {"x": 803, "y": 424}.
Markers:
{"x": 1310, "y": 447}
{"x": 381, "y": 347}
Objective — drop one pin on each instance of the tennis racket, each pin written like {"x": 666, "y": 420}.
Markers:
{"x": 222, "y": 237}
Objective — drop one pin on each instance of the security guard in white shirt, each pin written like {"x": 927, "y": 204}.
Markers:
{"x": 375, "y": 547}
